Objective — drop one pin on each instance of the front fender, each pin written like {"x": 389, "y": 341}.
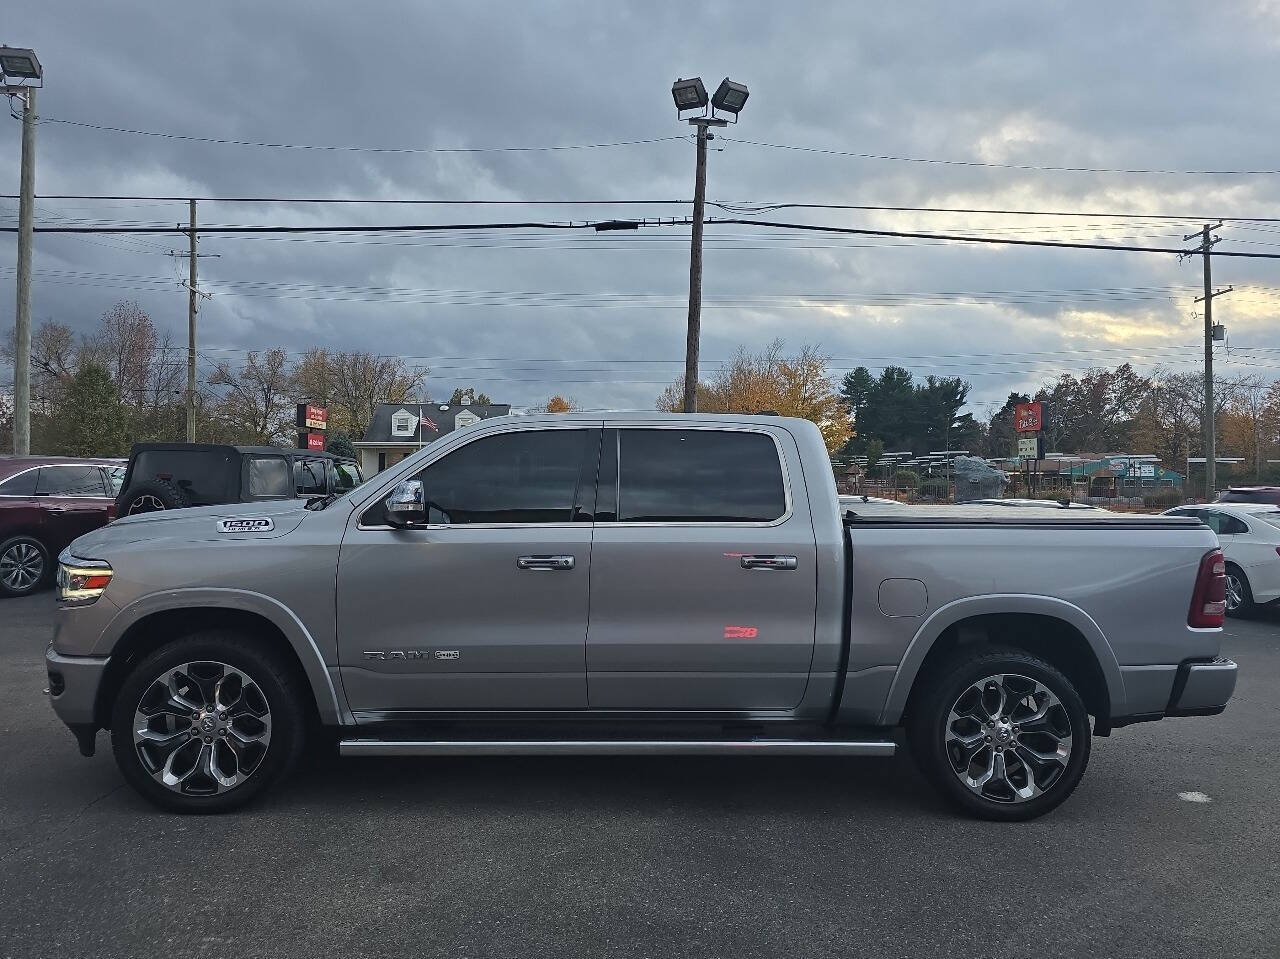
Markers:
{"x": 331, "y": 705}
{"x": 997, "y": 603}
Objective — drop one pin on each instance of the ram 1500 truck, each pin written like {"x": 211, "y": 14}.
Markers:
{"x": 633, "y": 583}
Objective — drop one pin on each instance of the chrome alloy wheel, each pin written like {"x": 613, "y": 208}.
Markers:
{"x": 1008, "y": 738}
{"x": 202, "y": 728}
{"x": 146, "y": 503}
{"x": 1235, "y": 592}
{"x": 21, "y": 566}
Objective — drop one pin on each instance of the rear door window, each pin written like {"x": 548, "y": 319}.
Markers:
{"x": 706, "y": 476}
{"x": 70, "y": 481}
{"x": 269, "y": 477}
{"x": 23, "y": 484}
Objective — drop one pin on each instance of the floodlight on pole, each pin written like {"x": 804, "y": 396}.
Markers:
{"x": 730, "y": 97}
{"x": 21, "y": 64}
{"x": 689, "y": 94}
{"x": 692, "y": 95}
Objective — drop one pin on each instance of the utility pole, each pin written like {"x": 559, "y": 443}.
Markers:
{"x": 191, "y": 328}
{"x": 694, "y": 334}
{"x": 22, "y": 324}
{"x": 1207, "y": 240}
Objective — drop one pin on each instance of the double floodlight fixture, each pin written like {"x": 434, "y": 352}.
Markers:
{"x": 690, "y": 94}
{"x": 19, "y": 63}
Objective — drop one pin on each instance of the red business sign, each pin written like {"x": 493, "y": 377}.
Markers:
{"x": 312, "y": 417}
{"x": 1028, "y": 417}
{"x": 315, "y": 441}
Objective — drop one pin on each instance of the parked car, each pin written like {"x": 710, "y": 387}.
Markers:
{"x": 45, "y": 503}
{"x": 1250, "y": 494}
{"x": 164, "y": 476}
{"x": 1249, "y": 534}
{"x": 633, "y": 584}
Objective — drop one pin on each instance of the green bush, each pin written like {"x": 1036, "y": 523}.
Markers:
{"x": 1164, "y": 499}
{"x": 908, "y": 479}
{"x": 938, "y": 489}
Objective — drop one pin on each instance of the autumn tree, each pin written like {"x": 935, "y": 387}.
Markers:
{"x": 557, "y": 404}
{"x": 798, "y": 385}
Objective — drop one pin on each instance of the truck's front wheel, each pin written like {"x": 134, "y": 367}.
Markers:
{"x": 207, "y": 722}
{"x": 1001, "y": 733}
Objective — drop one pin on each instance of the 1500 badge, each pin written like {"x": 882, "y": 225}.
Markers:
{"x": 257, "y": 524}
{"x": 407, "y": 654}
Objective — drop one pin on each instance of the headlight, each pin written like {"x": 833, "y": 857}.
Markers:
{"x": 83, "y": 581}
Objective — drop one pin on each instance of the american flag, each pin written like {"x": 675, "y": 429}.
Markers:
{"x": 429, "y": 423}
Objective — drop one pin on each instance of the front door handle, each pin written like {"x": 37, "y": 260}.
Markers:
{"x": 544, "y": 562}
{"x": 768, "y": 562}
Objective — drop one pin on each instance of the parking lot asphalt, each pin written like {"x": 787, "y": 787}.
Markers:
{"x": 1170, "y": 847}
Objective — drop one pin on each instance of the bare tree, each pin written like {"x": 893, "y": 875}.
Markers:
{"x": 256, "y": 400}
{"x": 360, "y": 381}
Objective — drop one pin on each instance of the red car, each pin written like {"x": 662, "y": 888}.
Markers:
{"x": 45, "y": 503}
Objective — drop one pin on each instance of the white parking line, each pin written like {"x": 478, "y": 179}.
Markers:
{"x": 1194, "y": 797}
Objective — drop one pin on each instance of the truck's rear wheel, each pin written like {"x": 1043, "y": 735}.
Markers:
{"x": 207, "y": 722}
{"x": 1001, "y": 733}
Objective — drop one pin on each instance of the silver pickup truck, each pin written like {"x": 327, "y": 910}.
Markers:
{"x": 634, "y": 583}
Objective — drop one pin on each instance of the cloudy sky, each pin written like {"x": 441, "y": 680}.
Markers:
{"x": 998, "y": 90}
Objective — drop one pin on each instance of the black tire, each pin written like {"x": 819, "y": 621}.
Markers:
{"x": 279, "y": 686}
{"x": 927, "y": 729}
{"x": 1246, "y": 607}
{"x": 148, "y": 496}
{"x": 25, "y": 566}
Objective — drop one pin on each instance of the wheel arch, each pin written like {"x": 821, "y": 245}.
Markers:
{"x": 150, "y": 623}
{"x": 1057, "y": 631}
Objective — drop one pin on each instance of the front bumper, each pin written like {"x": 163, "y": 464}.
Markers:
{"x": 1202, "y": 689}
{"x": 73, "y": 692}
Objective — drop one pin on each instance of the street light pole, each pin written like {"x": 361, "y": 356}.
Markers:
{"x": 689, "y": 95}
{"x": 22, "y": 324}
{"x": 693, "y": 336}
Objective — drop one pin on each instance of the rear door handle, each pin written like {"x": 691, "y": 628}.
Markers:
{"x": 768, "y": 562}
{"x": 544, "y": 562}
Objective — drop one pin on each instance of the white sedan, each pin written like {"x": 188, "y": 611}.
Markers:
{"x": 1249, "y": 534}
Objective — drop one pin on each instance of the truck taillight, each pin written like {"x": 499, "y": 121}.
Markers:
{"x": 1209, "y": 599}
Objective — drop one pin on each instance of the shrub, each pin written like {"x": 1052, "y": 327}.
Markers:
{"x": 1164, "y": 499}
{"x": 938, "y": 489}
{"x": 908, "y": 479}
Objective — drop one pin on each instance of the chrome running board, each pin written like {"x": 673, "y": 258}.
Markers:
{"x": 615, "y": 747}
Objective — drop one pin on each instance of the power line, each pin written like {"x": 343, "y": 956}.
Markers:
{"x": 591, "y": 225}
{"x": 355, "y": 149}
{"x": 996, "y": 166}
{"x": 742, "y": 206}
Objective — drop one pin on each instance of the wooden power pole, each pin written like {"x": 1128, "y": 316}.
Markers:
{"x": 1209, "y": 427}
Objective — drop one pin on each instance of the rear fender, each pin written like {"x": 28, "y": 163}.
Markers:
{"x": 992, "y": 604}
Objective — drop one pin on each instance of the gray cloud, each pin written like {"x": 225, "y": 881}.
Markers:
{"x": 1082, "y": 84}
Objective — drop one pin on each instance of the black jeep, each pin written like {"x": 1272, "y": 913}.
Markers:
{"x": 177, "y": 475}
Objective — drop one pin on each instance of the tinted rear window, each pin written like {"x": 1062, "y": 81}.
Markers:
{"x": 70, "y": 481}
{"x": 269, "y": 477}
{"x": 207, "y": 476}
{"x": 698, "y": 476}
{"x": 24, "y": 484}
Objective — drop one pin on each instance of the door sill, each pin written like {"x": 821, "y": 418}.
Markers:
{"x": 616, "y": 747}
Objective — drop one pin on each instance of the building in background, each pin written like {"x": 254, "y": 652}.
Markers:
{"x": 398, "y": 429}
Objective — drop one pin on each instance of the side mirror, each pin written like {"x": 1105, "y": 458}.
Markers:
{"x": 406, "y": 506}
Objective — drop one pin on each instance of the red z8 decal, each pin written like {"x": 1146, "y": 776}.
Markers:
{"x": 741, "y": 632}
